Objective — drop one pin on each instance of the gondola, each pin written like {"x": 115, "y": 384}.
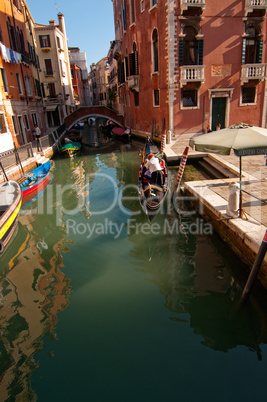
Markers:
{"x": 152, "y": 195}
{"x": 34, "y": 180}
{"x": 10, "y": 203}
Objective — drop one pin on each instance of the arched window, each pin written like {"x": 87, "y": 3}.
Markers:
{"x": 155, "y": 50}
{"x": 190, "y": 46}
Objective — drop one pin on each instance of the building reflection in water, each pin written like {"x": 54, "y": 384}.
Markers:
{"x": 33, "y": 287}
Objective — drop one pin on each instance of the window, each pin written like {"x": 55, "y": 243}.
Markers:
{"x": 37, "y": 88}
{"x": 4, "y": 79}
{"x": 123, "y": 15}
{"x": 19, "y": 83}
{"x": 3, "y": 128}
{"x": 189, "y": 97}
{"x": 34, "y": 119}
{"x": 155, "y": 51}
{"x": 156, "y": 97}
{"x": 1, "y": 35}
{"x": 26, "y": 122}
{"x": 58, "y": 42}
{"x": 28, "y": 86}
{"x": 14, "y": 121}
{"x": 153, "y": 2}
{"x": 132, "y": 9}
{"x": 44, "y": 41}
{"x": 136, "y": 98}
{"x": 11, "y": 34}
{"x": 48, "y": 67}
{"x": 252, "y": 46}
{"x": 142, "y": 5}
{"x": 248, "y": 95}
{"x": 133, "y": 61}
{"x": 52, "y": 90}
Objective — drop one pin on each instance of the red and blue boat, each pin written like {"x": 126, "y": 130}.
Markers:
{"x": 35, "y": 180}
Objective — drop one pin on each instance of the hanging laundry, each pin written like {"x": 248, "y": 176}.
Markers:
{"x": 5, "y": 52}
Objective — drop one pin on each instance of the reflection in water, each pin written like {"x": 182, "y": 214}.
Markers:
{"x": 131, "y": 303}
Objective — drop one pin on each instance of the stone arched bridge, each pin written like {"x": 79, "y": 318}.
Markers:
{"x": 92, "y": 111}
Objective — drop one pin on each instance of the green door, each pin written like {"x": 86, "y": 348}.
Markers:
{"x": 218, "y": 112}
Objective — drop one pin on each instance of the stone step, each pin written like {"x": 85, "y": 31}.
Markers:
{"x": 210, "y": 170}
{"x": 225, "y": 172}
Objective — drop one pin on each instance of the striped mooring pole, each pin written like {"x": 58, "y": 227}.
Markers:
{"x": 180, "y": 171}
{"x": 163, "y": 141}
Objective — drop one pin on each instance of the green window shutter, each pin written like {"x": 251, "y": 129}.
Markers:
{"x": 259, "y": 50}
{"x": 200, "y": 52}
{"x": 244, "y": 52}
{"x": 181, "y": 52}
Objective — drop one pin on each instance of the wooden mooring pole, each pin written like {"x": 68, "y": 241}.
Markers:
{"x": 255, "y": 269}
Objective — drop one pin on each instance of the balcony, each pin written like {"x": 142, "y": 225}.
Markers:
{"x": 133, "y": 83}
{"x": 192, "y": 74}
{"x": 251, "y": 5}
{"x": 117, "y": 50}
{"x": 252, "y": 72}
{"x": 185, "y": 4}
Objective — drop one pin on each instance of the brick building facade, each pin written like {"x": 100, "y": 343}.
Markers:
{"x": 187, "y": 64}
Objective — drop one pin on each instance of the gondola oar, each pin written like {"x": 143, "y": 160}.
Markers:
{"x": 180, "y": 173}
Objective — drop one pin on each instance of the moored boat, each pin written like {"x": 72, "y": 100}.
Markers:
{"x": 71, "y": 148}
{"x": 34, "y": 180}
{"x": 152, "y": 187}
{"x": 122, "y": 133}
{"x": 10, "y": 203}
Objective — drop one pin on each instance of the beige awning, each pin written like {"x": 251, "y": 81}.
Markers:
{"x": 51, "y": 108}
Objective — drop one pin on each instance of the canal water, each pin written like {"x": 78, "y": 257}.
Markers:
{"x": 98, "y": 305}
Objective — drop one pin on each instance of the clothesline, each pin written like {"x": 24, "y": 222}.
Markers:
{"x": 9, "y": 55}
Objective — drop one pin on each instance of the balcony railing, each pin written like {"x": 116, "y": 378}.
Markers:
{"x": 192, "y": 74}
{"x": 252, "y": 72}
{"x": 251, "y": 5}
{"x": 192, "y": 3}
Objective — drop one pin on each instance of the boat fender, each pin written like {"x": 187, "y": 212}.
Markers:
{"x": 1, "y": 247}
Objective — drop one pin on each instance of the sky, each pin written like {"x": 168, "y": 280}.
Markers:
{"x": 89, "y": 23}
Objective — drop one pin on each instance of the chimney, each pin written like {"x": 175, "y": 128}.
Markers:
{"x": 61, "y": 22}
{"x": 52, "y": 23}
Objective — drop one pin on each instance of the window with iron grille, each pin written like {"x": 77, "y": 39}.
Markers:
{"x": 156, "y": 97}
{"x": 189, "y": 97}
{"x": 248, "y": 94}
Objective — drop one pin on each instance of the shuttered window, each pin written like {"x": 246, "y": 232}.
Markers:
{"x": 181, "y": 52}
{"x": 133, "y": 63}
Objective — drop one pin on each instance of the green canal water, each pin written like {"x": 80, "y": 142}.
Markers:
{"x": 98, "y": 305}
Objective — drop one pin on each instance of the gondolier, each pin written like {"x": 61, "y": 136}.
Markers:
{"x": 156, "y": 170}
